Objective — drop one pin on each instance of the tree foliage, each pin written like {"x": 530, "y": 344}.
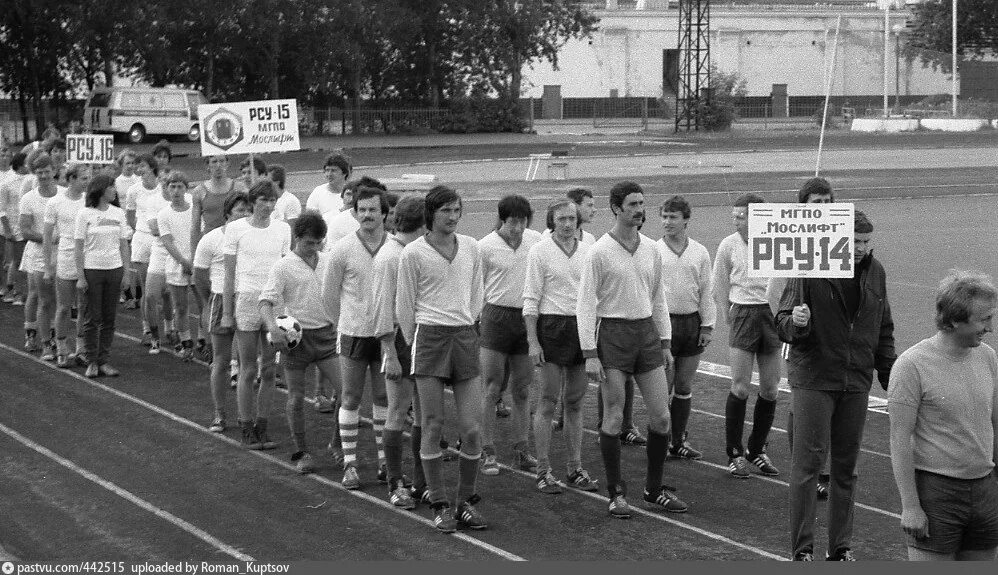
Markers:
{"x": 322, "y": 52}
{"x": 930, "y": 36}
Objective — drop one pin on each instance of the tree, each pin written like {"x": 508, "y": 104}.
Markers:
{"x": 931, "y": 35}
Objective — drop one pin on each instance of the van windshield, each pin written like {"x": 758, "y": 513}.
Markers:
{"x": 100, "y": 100}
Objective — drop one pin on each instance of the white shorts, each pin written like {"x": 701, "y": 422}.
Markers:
{"x": 247, "y": 312}
{"x": 158, "y": 258}
{"x": 175, "y": 275}
{"x": 65, "y": 265}
{"x": 33, "y": 260}
{"x": 141, "y": 247}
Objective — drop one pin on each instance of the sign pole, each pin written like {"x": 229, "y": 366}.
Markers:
{"x": 828, "y": 95}
{"x": 252, "y": 169}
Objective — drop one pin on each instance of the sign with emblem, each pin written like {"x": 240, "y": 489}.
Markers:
{"x": 249, "y": 127}
{"x": 90, "y": 149}
{"x": 801, "y": 240}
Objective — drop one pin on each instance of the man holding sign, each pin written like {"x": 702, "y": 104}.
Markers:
{"x": 840, "y": 329}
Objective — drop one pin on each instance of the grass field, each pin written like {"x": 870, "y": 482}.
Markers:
{"x": 124, "y": 469}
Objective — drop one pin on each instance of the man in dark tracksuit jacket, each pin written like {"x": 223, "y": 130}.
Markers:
{"x": 840, "y": 330}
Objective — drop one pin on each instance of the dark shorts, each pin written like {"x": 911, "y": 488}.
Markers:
{"x": 315, "y": 345}
{"x": 963, "y": 513}
{"x": 366, "y": 349}
{"x": 753, "y": 328}
{"x": 404, "y": 352}
{"x": 559, "y": 338}
{"x": 215, "y": 316}
{"x": 444, "y": 351}
{"x": 503, "y": 330}
{"x": 685, "y": 334}
{"x": 630, "y": 345}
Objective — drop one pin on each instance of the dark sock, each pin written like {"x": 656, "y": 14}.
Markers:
{"x": 393, "y": 454}
{"x": 154, "y": 331}
{"x": 734, "y": 424}
{"x": 599, "y": 409}
{"x": 299, "y": 439}
{"x": 467, "y": 476}
{"x": 609, "y": 446}
{"x": 762, "y": 422}
{"x": 656, "y": 449}
{"x": 418, "y": 477}
{"x": 434, "y": 469}
{"x": 680, "y": 413}
{"x": 823, "y": 478}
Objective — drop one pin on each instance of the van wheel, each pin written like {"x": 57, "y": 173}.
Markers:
{"x": 194, "y": 134}
{"x": 136, "y": 134}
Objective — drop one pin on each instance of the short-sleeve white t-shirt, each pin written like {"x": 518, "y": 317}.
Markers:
{"x": 102, "y": 232}
{"x": 61, "y": 212}
{"x": 208, "y": 255}
{"x": 288, "y": 207}
{"x": 256, "y": 251}
{"x": 178, "y": 226}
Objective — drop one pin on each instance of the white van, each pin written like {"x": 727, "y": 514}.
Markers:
{"x": 138, "y": 112}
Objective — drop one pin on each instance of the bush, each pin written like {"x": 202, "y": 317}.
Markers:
{"x": 716, "y": 115}
{"x": 479, "y": 113}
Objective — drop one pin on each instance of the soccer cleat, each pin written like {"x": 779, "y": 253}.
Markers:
{"x": 667, "y": 501}
{"x": 684, "y": 450}
{"x": 154, "y": 346}
{"x": 62, "y": 361}
{"x": 502, "y": 410}
{"x": 217, "y": 425}
{"x": 490, "y": 465}
{"x": 546, "y": 483}
{"x": 336, "y": 454}
{"x": 173, "y": 337}
{"x": 619, "y": 508}
{"x": 186, "y": 352}
{"x": 469, "y": 516}
{"x": 525, "y": 461}
{"x": 443, "y": 518}
{"x": 421, "y": 494}
{"x": 146, "y": 338}
{"x": 304, "y": 463}
{"x": 843, "y": 554}
{"x": 633, "y": 437}
{"x": 49, "y": 351}
{"x": 400, "y": 497}
{"x": 764, "y": 465}
{"x": 92, "y": 370}
{"x": 351, "y": 479}
{"x": 738, "y": 467}
{"x": 822, "y": 491}
{"x": 18, "y": 300}
{"x": 260, "y": 429}
{"x": 324, "y": 404}
{"x": 580, "y": 479}
{"x": 204, "y": 352}
{"x": 250, "y": 440}
{"x": 10, "y": 296}
{"x": 31, "y": 342}
{"x": 804, "y": 556}
{"x": 106, "y": 369}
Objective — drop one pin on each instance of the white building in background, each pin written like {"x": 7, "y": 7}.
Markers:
{"x": 780, "y": 42}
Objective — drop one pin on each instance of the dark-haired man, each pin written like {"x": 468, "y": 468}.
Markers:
{"x": 328, "y": 198}
{"x": 624, "y": 330}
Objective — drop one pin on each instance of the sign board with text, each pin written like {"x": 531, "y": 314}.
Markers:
{"x": 89, "y": 149}
{"x": 249, "y": 127}
{"x": 801, "y": 240}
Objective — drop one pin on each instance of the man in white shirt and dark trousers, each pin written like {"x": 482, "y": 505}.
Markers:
{"x": 439, "y": 296}
{"x": 692, "y": 313}
{"x": 624, "y": 330}
{"x": 752, "y": 338}
{"x": 504, "y": 349}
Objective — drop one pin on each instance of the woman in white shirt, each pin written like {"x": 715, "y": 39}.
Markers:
{"x": 102, "y": 234}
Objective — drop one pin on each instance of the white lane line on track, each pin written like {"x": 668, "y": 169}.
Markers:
{"x": 697, "y": 530}
{"x": 128, "y": 496}
{"x": 178, "y": 419}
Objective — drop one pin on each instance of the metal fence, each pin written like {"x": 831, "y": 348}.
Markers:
{"x": 339, "y": 121}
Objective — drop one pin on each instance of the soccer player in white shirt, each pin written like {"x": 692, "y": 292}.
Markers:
{"x": 295, "y": 285}
{"x": 503, "y": 334}
{"x": 127, "y": 178}
{"x": 60, "y": 256}
{"x": 348, "y": 292}
{"x": 742, "y": 301}
{"x": 624, "y": 330}
{"x": 252, "y": 246}
{"x": 410, "y": 224}
{"x": 40, "y": 304}
{"x": 156, "y": 293}
{"x": 173, "y": 223}
{"x": 328, "y": 197}
{"x": 550, "y": 294}
{"x": 10, "y": 222}
{"x": 288, "y": 207}
{"x": 439, "y": 296}
{"x": 142, "y": 203}
{"x": 686, "y": 268}
{"x": 209, "y": 279}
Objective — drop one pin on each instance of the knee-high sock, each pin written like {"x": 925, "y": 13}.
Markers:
{"x": 762, "y": 422}
{"x": 349, "y": 422}
{"x": 380, "y": 413}
{"x": 679, "y": 410}
{"x": 296, "y": 423}
{"x": 734, "y": 424}
{"x": 393, "y": 454}
{"x": 656, "y": 449}
{"x": 610, "y": 448}
{"x": 467, "y": 475}
{"x": 433, "y": 467}
{"x": 418, "y": 477}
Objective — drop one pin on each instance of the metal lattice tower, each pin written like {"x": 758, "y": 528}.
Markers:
{"x": 694, "y": 62}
